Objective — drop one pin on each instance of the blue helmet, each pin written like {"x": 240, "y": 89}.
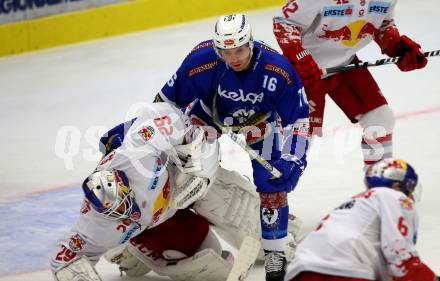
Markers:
{"x": 109, "y": 193}
{"x": 389, "y": 171}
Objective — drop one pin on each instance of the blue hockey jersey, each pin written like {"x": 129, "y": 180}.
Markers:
{"x": 265, "y": 96}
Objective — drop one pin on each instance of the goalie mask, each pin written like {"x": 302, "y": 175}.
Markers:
{"x": 109, "y": 194}
{"x": 389, "y": 171}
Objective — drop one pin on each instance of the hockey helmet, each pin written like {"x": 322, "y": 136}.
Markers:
{"x": 389, "y": 171}
{"x": 232, "y": 31}
{"x": 109, "y": 193}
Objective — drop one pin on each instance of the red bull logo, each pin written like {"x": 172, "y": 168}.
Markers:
{"x": 406, "y": 203}
{"x": 350, "y": 35}
{"x": 162, "y": 202}
{"x": 398, "y": 164}
{"x": 146, "y": 133}
{"x": 76, "y": 243}
{"x": 85, "y": 208}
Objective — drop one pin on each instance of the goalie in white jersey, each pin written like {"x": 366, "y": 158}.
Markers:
{"x": 139, "y": 193}
{"x": 370, "y": 237}
{"x": 318, "y": 34}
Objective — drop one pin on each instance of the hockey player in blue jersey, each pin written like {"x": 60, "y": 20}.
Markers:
{"x": 255, "y": 91}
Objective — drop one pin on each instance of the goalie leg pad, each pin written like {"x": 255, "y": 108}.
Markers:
{"x": 128, "y": 263}
{"x": 294, "y": 228}
{"x": 232, "y": 206}
{"x": 204, "y": 265}
{"x": 79, "y": 269}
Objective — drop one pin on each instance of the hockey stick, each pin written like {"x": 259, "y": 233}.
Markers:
{"x": 242, "y": 143}
{"x": 248, "y": 253}
{"x": 372, "y": 63}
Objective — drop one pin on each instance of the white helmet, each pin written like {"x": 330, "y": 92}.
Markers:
{"x": 109, "y": 194}
{"x": 232, "y": 31}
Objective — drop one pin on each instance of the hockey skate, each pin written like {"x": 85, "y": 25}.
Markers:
{"x": 275, "y": 265}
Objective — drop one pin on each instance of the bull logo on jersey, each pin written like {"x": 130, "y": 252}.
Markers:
{"x": 146, "y": 132}
{"x": 162, "y": 202}
{"x": 349, "y": 35}
{"x": 241, "y": 96}
{"x": 406, "y": 203}
{"x": 76, "y": 243}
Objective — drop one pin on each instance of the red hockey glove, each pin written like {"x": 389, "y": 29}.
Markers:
{"x": 416, "y": 271}
{"x": 305, "y": 65}
{"x": 392, "y": 44}
{"x": 411, "y": 55}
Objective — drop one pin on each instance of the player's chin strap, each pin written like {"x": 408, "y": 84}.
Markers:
{"x": 379, "y": 62}
{"x": 242, "y": 143}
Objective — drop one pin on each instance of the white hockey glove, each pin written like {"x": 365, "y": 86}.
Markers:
{"x": 128, "y": 263}
{"x": 194, "y": 175}
{"x": 187, "y": 189}
{"x": 199, "y": 157}
{"x": 79, "y": 269}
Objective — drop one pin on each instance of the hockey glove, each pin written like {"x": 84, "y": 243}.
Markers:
{"x": 291, "y": 171}
{"x": 411, "y": 55}
{"x": 305, "y": 65}
{"x": 392, "y": 44}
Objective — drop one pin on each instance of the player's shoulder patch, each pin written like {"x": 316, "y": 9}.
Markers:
{"x": 202, "y": 68}
{"x": 406, "y": 203}
{"x": 202, "y": 58}
{"x": 279, "y": 70}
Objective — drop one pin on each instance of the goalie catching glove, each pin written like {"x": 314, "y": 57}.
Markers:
{"x": 195, "y": 170}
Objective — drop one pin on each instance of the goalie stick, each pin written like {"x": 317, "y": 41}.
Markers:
{"x": 248, "y": 253}
{"x": 372, "y": 63}
{"x": 242, "y": 143}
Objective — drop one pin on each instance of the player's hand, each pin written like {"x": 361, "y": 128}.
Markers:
{"x": 411, "y": 55}
{"x": 291, "y": 172}
{"x": 305, "y": 66}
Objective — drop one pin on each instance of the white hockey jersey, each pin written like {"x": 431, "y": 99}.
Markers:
{"x": 332, "y": 30}
{"x": 367, "y": 237}
{"x": 143, "y": 157}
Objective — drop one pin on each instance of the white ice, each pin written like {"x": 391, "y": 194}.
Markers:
{"x": 55, "y": 103}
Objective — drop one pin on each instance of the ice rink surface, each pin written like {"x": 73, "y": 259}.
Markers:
{"x": 55, "y": 103}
